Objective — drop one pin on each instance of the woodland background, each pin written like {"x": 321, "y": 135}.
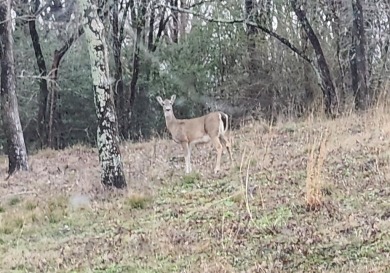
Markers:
{"x": 312, "y": 196}
{"x": 258, "y": 59}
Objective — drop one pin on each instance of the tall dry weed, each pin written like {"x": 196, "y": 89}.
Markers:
{"x": 315, "y": 165}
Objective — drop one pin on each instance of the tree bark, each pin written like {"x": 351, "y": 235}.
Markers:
{"x": 107, "y": 133}
{"x": 175, "y": 22}
{"x": 251, "y": 32}
{"x": 138, "y": 21}
{"x": 322, "y": 68}
{"x": 161, "y": 27}
{"x": 120, "y": 100}
{"x": 183, "y": 20}
{"x": 120, "y": 97}
{"x": 340, "y": 18}
{"x": 17, "y": 154}
{"x": 151, "y": 28}
{"x": 358, "y": 58}
{"x": 307, "y": 68}
{"x": 43, "y": 87}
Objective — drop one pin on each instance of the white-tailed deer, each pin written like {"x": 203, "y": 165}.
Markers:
{"x": 189, "y": 132}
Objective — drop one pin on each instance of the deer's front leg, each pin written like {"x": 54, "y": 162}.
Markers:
{"x": 187, "y": 156}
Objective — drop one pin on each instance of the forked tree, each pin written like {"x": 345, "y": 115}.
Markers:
{"x": 16, "y": 149}
{"x": 107, "y": 131}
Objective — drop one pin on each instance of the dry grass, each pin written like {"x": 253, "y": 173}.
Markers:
{"x": 252, "y": 218}
{"x": 314, "y": 177}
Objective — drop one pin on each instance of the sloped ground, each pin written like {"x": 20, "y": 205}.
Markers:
{"x": 252, "y": 218}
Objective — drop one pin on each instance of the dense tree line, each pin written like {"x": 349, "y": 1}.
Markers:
{"x": 260, "y": 58}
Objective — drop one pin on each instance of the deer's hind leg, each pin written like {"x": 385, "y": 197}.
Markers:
{"x": 218, "y": 146}
{"x": 225, "y": 142}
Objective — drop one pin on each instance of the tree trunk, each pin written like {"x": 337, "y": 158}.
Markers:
{"x": 17, "y": 153}
{"x": 307, "y": 81}
{"x": 183, "y": 20}
{"x": 135, "y": 66}
{"x": 137, "y": 119}
{"x": 251, "y": 32}
{"x": 321, "y": 67}
{"x": 107, "y": 133}
{"x": 379, "y": 92}
{"x": 358, "y": 58}
{"x": 151, "y": 28}
{"x": 264, "y": 18}
{"x": 342, "y": 31}
{"x": 175, "y": 22}
{"x": 118, "y": 88}
{"x": 161, "y": 27}
{"x": 44, "y": 91}
{"x": 384, "y": 53}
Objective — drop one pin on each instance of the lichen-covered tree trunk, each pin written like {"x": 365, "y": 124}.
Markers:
{"x": 17, "y": 153}
{"x": 107, "y": 132}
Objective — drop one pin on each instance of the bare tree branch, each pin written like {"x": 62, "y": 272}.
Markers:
{"x": 122, "y": 25}
{"x": 199, "y": 3}
{"x": 283, "y": 40}
{"x": 61, "y": 52}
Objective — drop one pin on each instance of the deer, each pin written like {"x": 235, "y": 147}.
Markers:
{"x": 199, "y": 130}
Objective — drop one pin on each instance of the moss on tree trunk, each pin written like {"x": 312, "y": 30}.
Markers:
{"x": 107, "y": 131}
{"x": 16, "y": 147}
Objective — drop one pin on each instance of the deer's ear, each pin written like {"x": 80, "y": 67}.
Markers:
{"x": 160, "y": 100}
{"x": 173, "y": 98}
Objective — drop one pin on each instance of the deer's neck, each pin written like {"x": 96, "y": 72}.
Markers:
{"x": 170, "y": 120}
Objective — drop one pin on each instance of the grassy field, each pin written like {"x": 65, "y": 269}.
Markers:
{"x": 309, "y": 196}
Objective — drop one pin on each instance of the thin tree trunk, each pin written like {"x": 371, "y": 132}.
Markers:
{"x": 384, "y": 56}
{"x": 107, "y": 133}
{"x": 118, "y": 88}
{"x": 151, "y": 28}
{"x": 17, "y": 153}
{"x": 175, "y": 22}
{"x": 307, "y": 68}
{"x": 161, "y": 27}
{"x": 358, "y": 58}
{"x": 322, "y": 68}
{"x": 53, "y": 117}
{"x": 183, "y": 21}
{"x": 251, "y": 33}
{"x": 44, "y": 91}
{"x": 341, "y": 26}
{"x": 139, "y": 22}
{"x": 135, "y": 65}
